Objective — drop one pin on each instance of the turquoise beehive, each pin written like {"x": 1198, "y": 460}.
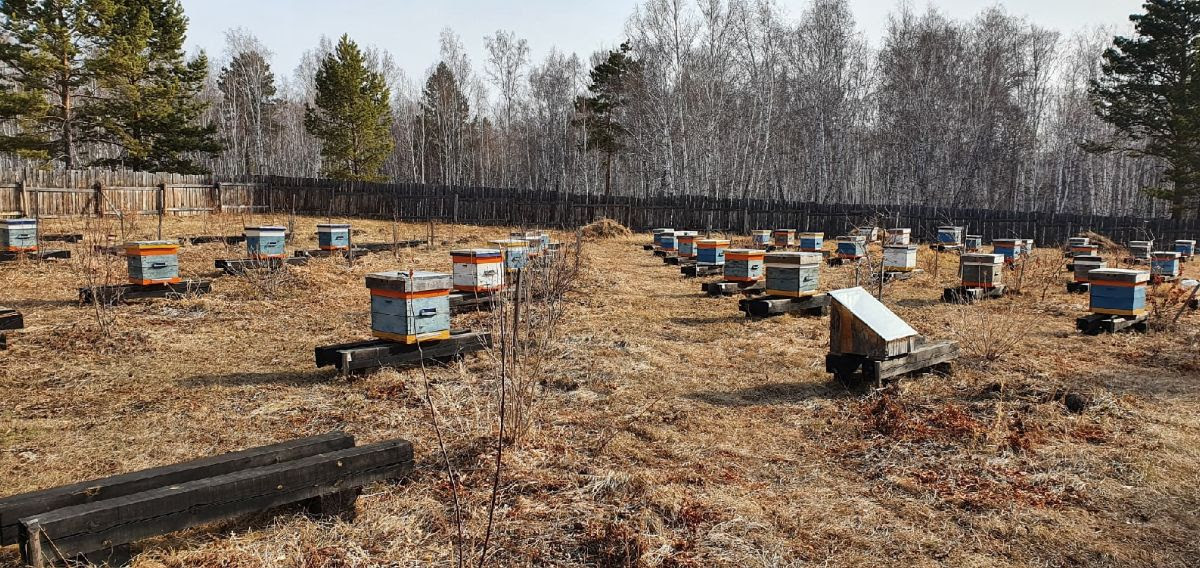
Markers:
{"x": 265, "y": 242}
{"x": 333, "y": 236}
{"x": 410, "y": 307}
{"x": 1118, "y": 291}
{"x": 18, "y": 235}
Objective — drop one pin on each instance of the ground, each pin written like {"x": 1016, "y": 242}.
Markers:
{"x": 666, "y": 428}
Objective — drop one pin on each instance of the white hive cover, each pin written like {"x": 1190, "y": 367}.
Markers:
{"x": 873, "y": 313}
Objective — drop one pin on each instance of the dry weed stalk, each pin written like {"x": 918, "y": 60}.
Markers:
{"x": 99, "y": 271}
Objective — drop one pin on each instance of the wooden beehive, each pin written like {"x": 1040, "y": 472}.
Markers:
{"x": 410, "y": 307}
{"x": 861, "y": 325}
{"x": 516, "y": 252}
{"x": 1077, "y": 241}
{"x": 981, "y": 270}
{"x": 793, "y": 274}
{"x": 900, "y": 258}
{"x": 899, "y": 236}
{"x": 784, "y": 238}
{"x": 869, "y": 234}
{"x": 658, "y": 236}
{"x": 744, "y": 265}
{"x": 1010, "y": 249}
{"x": 949, "y": 235}
{"x": 152, "y": 262}
{"x": 685, "y": 243}
{"x": 1085, "y": 264}
{"x": 333, "y": 236}
{"x": 1140, "y": 249}
{"x": 851, "y": 247}
{"x": 973, "y": 243}
{"x": 478, "y": 270}
{"x": 812, "y": 242}
{"x": 1084, "y": 249}
{"x": 1118, "y": 291}
{"x": 761, "y": 237}
{"x": 711, "y": 251}
{"x": 535, "y": 245}
{"x": 1164, "y": 264}
{"x": 265, "y": 242}
{"x": 18, "y": 235}
{"x": 666, "y": 241}
{"x": 1186, "y": 248}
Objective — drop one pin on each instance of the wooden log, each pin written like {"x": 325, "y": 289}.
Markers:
{"x": 23, "y": 505}
{"x": 110, "y": 295}
{"x": 373, "y": 354}
{"x": 80, "y": 529}
{"x": 1095, "y": 324}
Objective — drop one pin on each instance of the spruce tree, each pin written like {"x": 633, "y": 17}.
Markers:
{"x": 150, "y": 110}
{"x": 352, "y": 116}
{"x": 603, "y": 110}
{"x": 1149, "y": 90}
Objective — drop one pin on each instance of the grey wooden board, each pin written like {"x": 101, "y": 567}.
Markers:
{"x": 463, "y": 302}
{"x": 61, "y": 237}
{"x": 15, "y": 507}
{"x": 110, "y": 295}
{"x": 380, "y": 247}
{"x": 376, "y": 353}
{"x": 699, "y": 270}
{"x": 731, "y": 288}
{"x": 90, "y": 527}
{"x": 321, "y": 253}
{"x": 229, "y": 240}
{"x": 1095, "y": 324}
{"x": 923, "y": 357}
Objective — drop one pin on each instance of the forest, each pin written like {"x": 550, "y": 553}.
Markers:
{"x": 724, "y": 98}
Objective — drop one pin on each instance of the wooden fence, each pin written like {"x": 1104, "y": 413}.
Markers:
{"x": 49, "y": 194}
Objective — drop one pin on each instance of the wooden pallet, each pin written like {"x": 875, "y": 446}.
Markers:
{"x": 242, "y": 265}
{"x": 61, "y": 237}
{"x": 463, "y": 302}
{"x": 376, "y": 353}
{"x": 647, "y": 247}
{"x": 1095, "y": 324}
{"x": 110, "y": 295}
{"x": 1078, "y": 287}
{"x": 767, "y": 306}
{"x": 698, "y": 270}
{"x": 731, "y": 288}
{"x": 846, "y": 369}
{"x": 7, "y": 255}
{"x": 965, "y": 295}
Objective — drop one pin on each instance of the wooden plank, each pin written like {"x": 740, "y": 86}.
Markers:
{"x": 23, "y": 505}
{"x": 229, "y": 240}
{"x": 923, "y": 357}
{"x": 380, "y": 247}
{"x": 62, "y": 237}
{"x": 463, "y": 302}
{"x": 242, "y": 265}
{"x": 79, "y": 529}
{"x": 37, "y": 255}
{"x": 373, "y": 354}
{"x": 816, "y": 305}
{"x": 11, "y": 319}
{"x": 698, "y": 270}
{"x": 109, "y": 295}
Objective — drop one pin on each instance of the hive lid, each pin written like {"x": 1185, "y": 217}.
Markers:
{"x": 873, "y": 314}
{"x": 1166, "y": 253}
{"x": 950, "y": 228}
{"x": 982, "y": 258}
{"x": 657, "y": 231}
{"x": 1006, "y": 241}
{"x": 975, "y": 237}
{"x": 476, "y": 252}
{"x": 1185, "y": 241}
{"x": 851, "y": 239}
{"x": 332, "y": 226}
{"x": 785, "y": 230}
{"x": 899, "y": 231}
{"x": 745, "y": 251}
{"x": 1119, "y": 275}
{"x": 797, "y": 258}
{"x": 403, "y": 281}
{"x": 151, "y": 244}
{"x": 509, "y": 243}
{"x": 1141, "y": 243}
{"x": 21, "y": 221}
{"x": 713, "y": 242}
{"x": 811, "y": 235}
{"x": 900, "y": 247}
{"x": 760, "y": 232}
{"x": 685, "y": 233}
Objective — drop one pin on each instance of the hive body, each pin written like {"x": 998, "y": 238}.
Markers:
{"x": 410, "y": 307}
{"x": 949, "y": 235}
{"x": 265, "y": 242}
{"x": 711, "y": 251}
{"x": 1186, "y": 248}
{"x": 784, "y": 238}
{"x": 744, "y": 265}
{"x": 18, "y": 235}
{"x": 685, "y": 242}
{"x": 761, "y": 237}
{"x": 973, "y": 243}
{"x": 1085, "y": 264}
{"x": 152, "y": 262}
{"x": 812, "y": 242}
{"x": 851, "y": 247}
{"x": 516, "y": 253}
{"x": 981, "y": 270}
{"x": 478, "y": 270}
{"x": 900, "y": 258}
{"x": 899, "y": 236}
{"x": 1118, "y": 291}
{"x": 793, "y": 274}
{"x": 1164, "y": 264}
{"x": 1140, "y": 249}
{"x": 333, "y": 236}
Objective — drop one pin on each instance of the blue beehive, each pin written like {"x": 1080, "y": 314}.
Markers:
{"x": 793, "y": 274}
{"x": 685, "y": 243}
{"x": 410, "y": 307}
{"x": 812, "y": 242}
{"x": 265, "y": 242}
{"x": 761, "y": 237}
{"x": 1118, "y": 291}
{"x": 333, "y": 236}
{"x": 851, "y": 248}
{"x": 711, "y": 251}
{"x": 658, "y": 236}
{"x": 152, "y": 262}
{"x": 1185, "y": 248}
{"x": 516, "y": 252}
{"x": 1010, "y": 249}
{"x": 949, "y": 235}
{"x": 744, "y": 265}
{"x": 666, "y": 241}
{"x": 18, "y": 235}
{"x": 1164, "y": 264}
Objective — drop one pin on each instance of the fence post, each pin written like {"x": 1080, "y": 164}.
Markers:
{"x": 214, "y": 198}
{"x": 21, "y": 198}
{"x": 98, "y": 199}
{"x": 162, "y": 206}
{"x": 455, "y": 207}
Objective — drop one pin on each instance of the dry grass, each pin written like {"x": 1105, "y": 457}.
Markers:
{"x": 604, "y": 229}
{"x": 667, "y": 429}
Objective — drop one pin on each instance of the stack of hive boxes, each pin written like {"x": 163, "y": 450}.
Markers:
{"x": 949, "y": 235}
{"x": 516, "y": 251}
{"x": 899, "y": 236}
{"x": 900, "y": 258}
{"x": 981, "y": 270}
{"x": 973, "y": 243}
{"x": 1164, "y": 265}
{"x": 1186, "y": 248}
{"x": 410, "y": 307}
{"x": 1085, "y": 264}
{"x": 478, "y": 270}
{"x": 793, "y": 274}
{"x": 685, "y": 242}
{"x": 1140, "y": 250}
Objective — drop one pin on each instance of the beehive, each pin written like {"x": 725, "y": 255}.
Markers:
{"x": 1010, "y": 249}
{"x": 152, "y": 262}
{"x": 1185, "y": 248}
{"x": 1140, "y": 249}
{"x": 1026, "y": 245}
{"x": 265, "y": 242}
{"x": 516, "y": 252}
{"x": 869, "y": 234}
{"x": 792, "y": 274}
{"x": 1085, "y": 264}
{"x": 410, "y": 307}
{"x": 1118, "y": 291}
{"x": 18, "y": 235}
{"x": 711, "y": 251}
{"x": 812, "y": 242}
{"x": 744, "y": 265}
{"x": 784, "y": 238}
{"x": 851, "y": 247}
{"x": 981, "y": 270}
{"x": 861, "y": 325}
{"x": 1077, "y": 241}
{"x": 1164, "y": 264}
{"x": 900, "y": 258}
{"x": 658, "y": 236}
{"x": 535, "y": 244}
{"x": 478, "y": 270}
{"x": 685, "y": 242}
{"x": 949, "y": 235}
{"x": 666, "y": 241}
{"x": 761, "y": 238}
{"x": 973, "y": 243}
{"x": 1079, "y": 249}
{"x": 333, "y": 236}
{"x": 899, "y": 236}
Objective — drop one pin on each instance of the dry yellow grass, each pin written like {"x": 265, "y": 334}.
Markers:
{"x": 669, "y": 430}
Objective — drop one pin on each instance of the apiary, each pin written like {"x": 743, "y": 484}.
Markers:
{"x": 949, "y": 235}
{"x": 333, "y": 236}
{"x": 18, "y": 235}
{"x": 1010, "y": 249}
{"x": 152, "y": 262}
{"x": 516, "y": 252}
{"x": 478, "y": 270}
{"x": 899, "y": 236}
{"x": 784, "y": 238}
{"x": 812, "y": 242}
{"x": 981, "y": 270}
{"x": 1140, "y": 250}
{"x": 973, "y": 243}
{"x": 792, "y": 274}
{"x": 744, "y": 265}
{"x": 410, "y": 307}
{"x": 900, "y": 258}
{"x": 851, "y": 247}
{"x": 1164, "y": 264}
{"x": 265, "y": 242}
{"x": 1185, "y": 248}
{"x": 1085, "y": 264}
{"x": 1118, "y": 291}
{"x": 685, "y": 242}
{"x": 761, "y": 238}
{"x": 711, "y": 251}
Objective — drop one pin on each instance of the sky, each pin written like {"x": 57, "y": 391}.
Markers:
{"x": 409, "y": 29}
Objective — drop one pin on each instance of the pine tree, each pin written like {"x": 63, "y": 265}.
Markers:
{"x": 248, "y": 87}
{"x": 48, "y": 74}
{"x": 352, "y": 116}
{"x": 603, "y": 111}
{"x": 150, "y": 110}
{"x": 444, "y": 126}
{"x": 1149, "y": 90}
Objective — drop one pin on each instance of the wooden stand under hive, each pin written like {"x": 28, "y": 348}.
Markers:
{"x": 685, "y": 248}
{"x": 864, "y": 335}
{"x": 850, "y": 248}
{"x": 982, "y": 277}
{"x": 1081, "y": 266}
{"x": 1117, "y": 301}
{"x": 19, "y": 239}
{"x": 710, "y": 258}
{"x": 153, "y": 273}
{"x": 744, "y": 273}
{"x": 1164, "y": 266}
{"x": 949, "y": 237}
{"x": 10, "y": 320}
{"x": 478, "y": 279}
{"x": 793, "y": 281}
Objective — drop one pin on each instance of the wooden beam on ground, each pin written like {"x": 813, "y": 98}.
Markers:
{"x": 923, "y": 357}
{"x": 11, "y": 319}
{"x": 63, "y": 237}
{"x": 377, "y": 353}
{"x": 380, "y": 247}
{"x": 241, "y": 265}
{"x": 463, "y": 302}
{"x": 36, "y": 255}
{"x": 109, "y": 295}
{"x": 817, "y": 305}
{"x": 229, "y": 240}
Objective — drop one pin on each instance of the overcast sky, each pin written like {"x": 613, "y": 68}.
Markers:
{"x": 409, "y": 28}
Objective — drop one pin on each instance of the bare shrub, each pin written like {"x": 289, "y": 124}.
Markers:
{"x": 993, "y": 333}
{"x": 99, "y": 270}
{"x": 1166, "y": 303}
